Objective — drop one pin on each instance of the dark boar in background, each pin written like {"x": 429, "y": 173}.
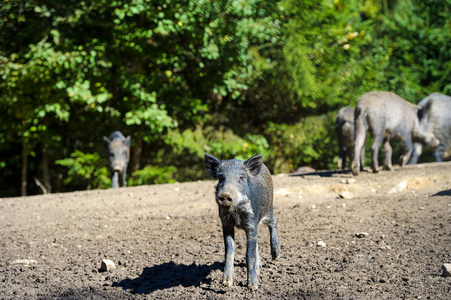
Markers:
{"x": 344, "y": 128}
{"x": 118, "y": 151}
{"x": 244, "y": 194}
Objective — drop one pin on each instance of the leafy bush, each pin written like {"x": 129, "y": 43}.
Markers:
{"x": 153, "y": 175}
{"x": 86, "y": 170}
{"x": 310, "y": 142}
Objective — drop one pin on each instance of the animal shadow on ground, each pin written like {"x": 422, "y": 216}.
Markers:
{"x": 168, "y": 275}
{"x": 322, "y": 173}
{"x": 443, "y": 193}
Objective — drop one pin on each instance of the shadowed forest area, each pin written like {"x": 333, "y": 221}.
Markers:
{"x": 231, "y": 78}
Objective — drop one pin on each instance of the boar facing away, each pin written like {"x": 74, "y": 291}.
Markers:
{"x": 244, "y": 195}
{"x": 386, "y": 115}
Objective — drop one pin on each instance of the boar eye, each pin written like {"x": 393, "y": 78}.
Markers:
{"x": 241, "y": 179}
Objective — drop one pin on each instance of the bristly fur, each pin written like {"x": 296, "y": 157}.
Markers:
{"x": 244, "y": 195}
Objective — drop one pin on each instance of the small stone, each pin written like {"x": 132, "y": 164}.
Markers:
{"x": 321, "y": 244}
{"x": 361, "y": 234}
{"x": 399, "y": 187}
{"x": 351, "y": 181}
{"x": 446, "y": 268}
{"x": 346, "y": 195}
{"x": 107, "y": 265}
{"x": 25, "y": 262}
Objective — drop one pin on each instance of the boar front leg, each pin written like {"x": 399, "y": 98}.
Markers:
{"x": 252, "y": 258}
{"x": 123, "y": 174}
{"x": 115, "y": 180}
{"x": 408, "y": 149}
{"x": 229, "y": 243}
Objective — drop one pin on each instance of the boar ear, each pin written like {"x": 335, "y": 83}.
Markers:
{"x": 254, "y": 164}
{"x": 422, "y": 110}
{"x": 127, "y": 142}
{"x": 212, "y": 165}
{"x": 106, "y": 141}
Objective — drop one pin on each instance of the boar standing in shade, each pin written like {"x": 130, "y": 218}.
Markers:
{"x": 244, "y": 194}
{"x": 344, "y": 128}
{"x": 437, "y": 110}
{"x": 386, "y": 115}
{"x": 118, "y": 149}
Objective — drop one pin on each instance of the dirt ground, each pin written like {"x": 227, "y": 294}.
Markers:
{"x": 166, "y": 241}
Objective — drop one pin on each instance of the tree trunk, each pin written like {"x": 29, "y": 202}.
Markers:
{"x": 136, "y": 155}
{"x": 23, "y": 188}
{"x": 45, "y": 169}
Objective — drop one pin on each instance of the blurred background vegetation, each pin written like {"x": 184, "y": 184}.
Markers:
{"x": 231, "y": 78}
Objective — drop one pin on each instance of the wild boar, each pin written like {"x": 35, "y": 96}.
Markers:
{"x": 386, "y": 115}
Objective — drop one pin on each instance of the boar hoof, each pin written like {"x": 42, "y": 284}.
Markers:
{"x": 253, "y": 286}
{"x": 227, "y": 282}
{"x": 388, "y": 168}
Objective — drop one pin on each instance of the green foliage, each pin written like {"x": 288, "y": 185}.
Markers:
{"x": 87, "y": 168}
{"x": 221, "y": 142}
{"x": 153, "y": 175}
{"x": 230, "y": 77}
{"x": 310, "y": 142}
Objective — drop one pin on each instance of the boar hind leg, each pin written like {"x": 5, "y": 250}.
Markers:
{"x": 357, "y": 160}
{"x": 387, "y": 155}
{"x": 374, "y": 152}
{"x": 274, "y": 237}
{"x": 342, "y": 151}
{"x": 362, "y": 159}
{"x": 361, "y": 127}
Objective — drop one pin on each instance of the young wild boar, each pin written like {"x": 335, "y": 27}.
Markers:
{"x": 118, "y": 150}
{"x": 437, "y": 110}
{"x": 244, "y": 194}
{"x": 386, "y": 115}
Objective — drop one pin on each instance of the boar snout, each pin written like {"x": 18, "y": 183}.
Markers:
{"x": 435, "y": 142}
{"x": 225, "y": 199}
{"x": 118, "y": 168}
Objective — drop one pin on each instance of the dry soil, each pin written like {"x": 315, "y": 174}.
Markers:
{"x": 166, "y": 240}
